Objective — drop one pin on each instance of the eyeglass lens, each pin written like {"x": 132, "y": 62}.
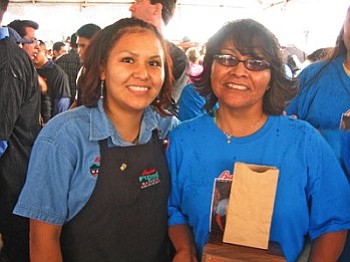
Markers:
{"x": 251, "y": 64}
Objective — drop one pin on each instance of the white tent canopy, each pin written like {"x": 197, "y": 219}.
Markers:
{"x": 309, "y": 24}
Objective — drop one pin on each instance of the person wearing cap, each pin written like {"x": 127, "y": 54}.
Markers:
{"x": 19, "y": 126}
{"x": 18, "y": 39}
{"x": 26, "y": 29}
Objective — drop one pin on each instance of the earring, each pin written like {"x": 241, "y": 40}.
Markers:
{"x": 102, "y": 87}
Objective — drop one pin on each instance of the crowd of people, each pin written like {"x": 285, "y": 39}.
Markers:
{"x": 111, "y": 142}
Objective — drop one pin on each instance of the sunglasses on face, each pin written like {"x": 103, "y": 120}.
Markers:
{"x": 252, "y": 64}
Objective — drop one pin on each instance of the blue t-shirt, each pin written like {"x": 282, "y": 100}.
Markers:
{"x": 313, "y": 195}
{"x": 61, "y": 174}
{"x": 321, "y": 102}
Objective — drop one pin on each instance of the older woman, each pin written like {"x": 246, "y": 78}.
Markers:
{"x": 98, "y": 183}
{"x": 243, "y": 72}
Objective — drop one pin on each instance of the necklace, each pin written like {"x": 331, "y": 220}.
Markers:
{"x": 251, "y": 127}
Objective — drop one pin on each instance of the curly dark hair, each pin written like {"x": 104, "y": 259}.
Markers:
{"x": 248, "y": 36}
{"x": 97, "y": 54}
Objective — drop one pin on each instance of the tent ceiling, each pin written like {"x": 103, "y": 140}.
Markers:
{"x": 221, "y": 3}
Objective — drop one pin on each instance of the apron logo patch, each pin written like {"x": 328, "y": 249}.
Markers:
{"x": 95, "y": 167}
{"x": 149, "y": 177}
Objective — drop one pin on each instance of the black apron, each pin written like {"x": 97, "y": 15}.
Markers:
{"x": 126, "y": 217}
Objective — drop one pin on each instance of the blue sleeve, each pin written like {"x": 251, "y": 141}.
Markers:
{"x": 3, "y": 146}
{"x": 61, "y": 105}
{"x": 328, "y": 189}
{"x": 44, "y": 196}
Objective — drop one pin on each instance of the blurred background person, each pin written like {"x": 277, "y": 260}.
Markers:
{"x": 71, "y": 64}
{"x": 57, "y": 97}
{"x": 324, "y": 92}
{"x": 19, "y": 126}
{"x": 58, "y": 49}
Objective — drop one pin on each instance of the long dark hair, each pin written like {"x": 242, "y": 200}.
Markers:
{"x": 97, "y": 54}
{"x": 248, "y": 36}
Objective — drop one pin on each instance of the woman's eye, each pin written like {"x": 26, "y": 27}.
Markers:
{"x": 127, "y": 60}
{"x": 155, "y": 63}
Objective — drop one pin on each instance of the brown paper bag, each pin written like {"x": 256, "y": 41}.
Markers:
{"x": 249, "y": 212}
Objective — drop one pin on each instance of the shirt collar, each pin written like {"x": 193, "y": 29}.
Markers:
{"x": 102, "y": 128}
{"x": 4, "y": 32}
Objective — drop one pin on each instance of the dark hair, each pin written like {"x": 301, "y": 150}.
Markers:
{"x": 168, "y": 9}
{"x": 248, "y": 36}
{"x": 320, "y": 54}
{"x": 97, "y": 55}
{"x": 88, "y": 30}
{"x": 20, "y": 26}
{"x": 73, "y": 40}
{"x": 57, "y": 46}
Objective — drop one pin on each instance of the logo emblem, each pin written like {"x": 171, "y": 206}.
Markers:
{"x": 149, "y": 177}
{"x": 95, "y": 167}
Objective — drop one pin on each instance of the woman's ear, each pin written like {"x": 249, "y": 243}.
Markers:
{"x": 102, "y": 73}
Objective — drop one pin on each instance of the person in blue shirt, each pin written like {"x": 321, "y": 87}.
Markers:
{"x": 324, "y": 91}
{"x": 324, "y": 95}
{"x": 244, "y": 74}
{"x": 98, "y": 182}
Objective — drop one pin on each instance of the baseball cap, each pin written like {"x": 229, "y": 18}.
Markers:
{"x": 15, "y": 36}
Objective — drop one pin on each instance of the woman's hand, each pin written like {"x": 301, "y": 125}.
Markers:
{"x": 182, "y": 239}
{"x": 185, "y": 255}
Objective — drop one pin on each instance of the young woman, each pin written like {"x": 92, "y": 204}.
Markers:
{"x": 98, "y": 183}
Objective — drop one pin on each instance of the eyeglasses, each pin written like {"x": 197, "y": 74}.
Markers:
{"x": 251, "y": 63}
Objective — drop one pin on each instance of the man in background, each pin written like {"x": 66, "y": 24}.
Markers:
{"x": 58, "y": 49}
{"x": 71, "y": 64}
{"x": 19, "y": 126}
{"x": 159, "y": 13}
{"x": 58, "y": 92}
{"x": 26, "y": 29}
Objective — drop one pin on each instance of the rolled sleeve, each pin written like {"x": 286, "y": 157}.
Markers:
{"x": 44, "y": 196}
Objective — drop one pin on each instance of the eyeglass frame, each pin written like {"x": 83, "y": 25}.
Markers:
{"x": 227, "y": 57}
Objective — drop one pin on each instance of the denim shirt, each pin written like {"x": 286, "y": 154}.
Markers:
{"x": 63, "y": 168}
{"x": 4, "y": 32}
